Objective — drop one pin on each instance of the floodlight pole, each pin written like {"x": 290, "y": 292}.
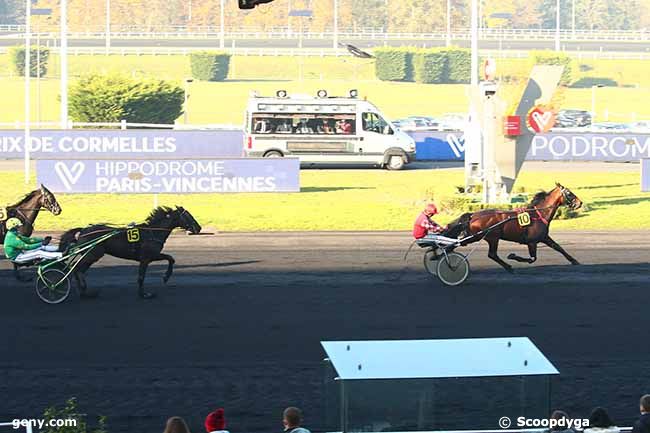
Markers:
{"x": 28, "y": 20}
{"x": 64, "y": 64}
{"x": 557, "y": 25}
{"x": 336, "y": 24}
{"x": 108, "y": 26}
{"x": 448, "y": 43}
{"x": 474, "y": 44}
{"x": 222, "y": 23}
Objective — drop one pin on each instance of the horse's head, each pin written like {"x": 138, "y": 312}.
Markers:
{"x": 569, "y": 199}
{"x": 48, "y": 201}
{"x": 186, "y": 221}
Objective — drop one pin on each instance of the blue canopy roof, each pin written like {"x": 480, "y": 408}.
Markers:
{"x": 419, "y": 359}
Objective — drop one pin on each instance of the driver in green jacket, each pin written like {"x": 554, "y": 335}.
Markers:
{"x": 23, "y": 249}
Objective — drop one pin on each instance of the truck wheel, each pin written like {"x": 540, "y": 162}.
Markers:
{"x": 273, "y": 154}
{"x": 395, "y": 162}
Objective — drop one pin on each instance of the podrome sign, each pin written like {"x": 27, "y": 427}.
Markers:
{"x": 170, "y": 177}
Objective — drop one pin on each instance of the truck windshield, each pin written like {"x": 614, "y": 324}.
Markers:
{"x": 375, "y": 123}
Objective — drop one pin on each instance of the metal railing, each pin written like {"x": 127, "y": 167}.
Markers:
{"x": 214, "y": 32}
{"x": 28, "y": 427}
{"x": 119, "y": 125}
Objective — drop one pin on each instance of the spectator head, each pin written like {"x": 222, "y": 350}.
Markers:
{"x": 645, "y": 404}
{"x": 176, "y": 424}
{"x": 558, "y": 415}
{"x": 291, "y": 418}
{"x": 215, "y": 421}
{"x": 600, "y": 418}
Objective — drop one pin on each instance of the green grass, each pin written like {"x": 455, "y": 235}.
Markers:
{"x": 225, "y": 102}
{"x": 348, "y": 200}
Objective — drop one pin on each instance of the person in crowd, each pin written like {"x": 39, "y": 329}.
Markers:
{"x": 23, "y": 249}
{"x": 424, "y": 224}
{"x": 642, "y": 425}
{"x": 562, "y": 427}
{"x": 328, "y": 128}
{"x": 215, "y": 422}
{"x": 344, "y": 127}
{"x": 263, "y": 127}
{"x": 600, "y": 422}
{"x": 176, "y": 424}
{"x": 292, "y": 420}
{"x": 285, "y": 127}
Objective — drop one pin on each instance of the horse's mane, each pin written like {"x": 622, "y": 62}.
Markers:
{"x": 157, "y": 214}
{"x": 538, "y": 198}
{"x": 27, "y": 197}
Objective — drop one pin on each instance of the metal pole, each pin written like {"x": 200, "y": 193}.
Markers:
{"x": 108, "y": 26}
{"x": 222, "y": 23}
{"x": 557, "y": 25}
{"x": 28, "y": 42}
{"x": 336, "y": 24}
{"x": 573, "y": 19}
{"x": 448, "y": 23}
{"x": 474, "y": 45}
{"x": 38, "y": 73}
{"x": 189, "y": 12}
{"x": 593, "y": 104}
{"x": 64, "y": 64}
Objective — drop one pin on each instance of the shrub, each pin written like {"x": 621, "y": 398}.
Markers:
{"x": 70, "y": 412}
{"x": 112, "y": 98}
{"x": 430, "y": 66}
{"x": 587, "y": 82}
{"x": 459, "y": 65}
{"x": 17, "y": 55}
{"x": 555, "y": 58}
{"x": 210, "y": 66}
{"x": 394, "y": 64}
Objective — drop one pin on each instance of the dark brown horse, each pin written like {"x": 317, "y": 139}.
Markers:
{"x": 142, "y": 243}
{"x": 27, "y": 210}
{"x": 528, "y": 226}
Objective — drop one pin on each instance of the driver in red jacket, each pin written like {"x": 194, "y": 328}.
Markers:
{"x": 424, "y": 225}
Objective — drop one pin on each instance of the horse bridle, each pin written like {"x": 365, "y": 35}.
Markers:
{"x": 570, "y": 202}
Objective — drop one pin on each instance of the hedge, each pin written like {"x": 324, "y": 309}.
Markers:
{"x": 394, "y": 64}
{"x": 112, "y": 98}
{"x": 430, "y": 66}
{"x": 554, "y": 58}
{"x": 17, "y": 55}
{"x": 459, "y": 65}
{"x": 210, "y": 66}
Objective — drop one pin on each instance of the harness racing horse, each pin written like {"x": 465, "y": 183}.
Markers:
{"x": 27, "y": 210}
{"x": 494, "y": 225}
{"x": 142, "y": 243}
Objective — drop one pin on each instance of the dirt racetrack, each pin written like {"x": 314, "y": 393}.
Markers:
{"x": 240, "y": 323}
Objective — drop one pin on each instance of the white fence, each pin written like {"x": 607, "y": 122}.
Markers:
{"x": 26, "y": 429}
{"x": 118, "y": 125}
{"x": 212, "y": 32}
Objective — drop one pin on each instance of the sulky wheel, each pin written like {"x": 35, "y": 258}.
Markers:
{"x": 453, "y": 269}
{"x": 52, "y": 286}
{"x": 431, "y": 262}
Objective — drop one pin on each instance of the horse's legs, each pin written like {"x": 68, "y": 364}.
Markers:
{"x": 493, "y": 242}
{"x": 551, "y": 243}
{"x": 144, "y": 264}
{"x": 170, "y": 265}
{"x": 532, "y": 251}
{"x": 80, "y": 269}
{"x": 18, "y": 275}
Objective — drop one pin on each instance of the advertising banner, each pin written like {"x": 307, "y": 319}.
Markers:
{"x": 170, "y": 177}
{"x": 645, "y": 175}
{"x": 553, "y": 146}
{"x": 128, "y": 143}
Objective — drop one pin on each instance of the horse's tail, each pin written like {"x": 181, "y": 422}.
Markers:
{"x": 68, "y": 238}
{"x": 460, "y": 226}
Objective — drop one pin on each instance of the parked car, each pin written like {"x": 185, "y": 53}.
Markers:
{"x": 453, "y": 121}
{"x": 415, "y": 124}
{"x": 572, "y": 119}
{"x": 641, "y": 126}
{"x": 609, "y": 127}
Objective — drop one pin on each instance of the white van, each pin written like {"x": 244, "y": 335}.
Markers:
{"x": 323, "y": 129}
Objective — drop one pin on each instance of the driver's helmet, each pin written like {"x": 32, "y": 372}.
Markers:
{"x": 430, "y": 210}
{"x": 13, "y": 223}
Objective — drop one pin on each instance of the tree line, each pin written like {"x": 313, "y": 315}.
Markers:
{"x": 385, "y": 15}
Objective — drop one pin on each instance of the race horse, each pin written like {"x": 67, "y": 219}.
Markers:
{"x": 27, "y": 210}
{"x": 528, "y": 226}
{"x": 145, "y": 248}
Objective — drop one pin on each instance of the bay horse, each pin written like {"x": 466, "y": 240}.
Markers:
{"x": 27, "y": 210}
{"x": 494, "y": 225}
{"x": 147, "y": 248}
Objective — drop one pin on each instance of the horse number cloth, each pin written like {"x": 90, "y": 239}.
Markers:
{"x": 133, "y": 235}
{"x": 523, "y": 218}
{"x": 3, "y": 214}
